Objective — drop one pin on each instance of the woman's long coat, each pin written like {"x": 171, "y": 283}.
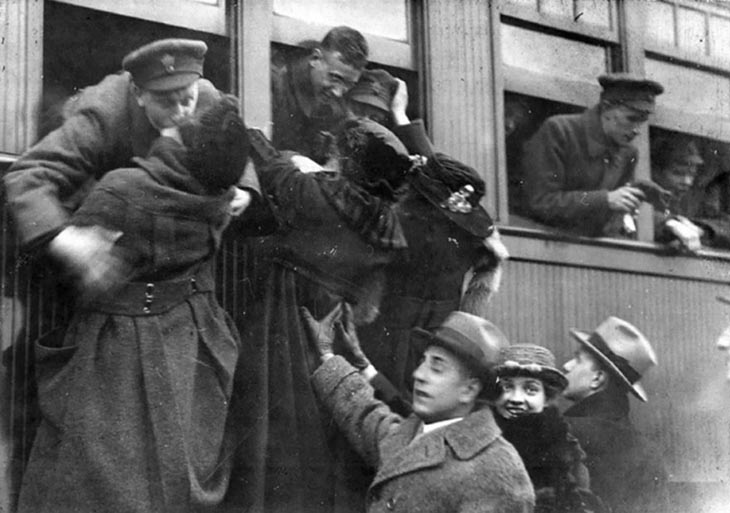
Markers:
{"x": 135, "y": 399}
{"x": 336, "y": 237}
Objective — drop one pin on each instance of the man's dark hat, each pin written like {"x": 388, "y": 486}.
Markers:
{"x": 167, "y": 64}
{"x": 635, "y": 92}
{"x": 622, "y": 349}
{"x": 376, "y": 87}
{"x": 477, "y": 341}
{"x": 455, "y": 190}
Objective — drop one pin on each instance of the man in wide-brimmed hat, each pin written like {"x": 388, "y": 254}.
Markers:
{"x": 607, "y": 367}
{"x": 449, "y": 454}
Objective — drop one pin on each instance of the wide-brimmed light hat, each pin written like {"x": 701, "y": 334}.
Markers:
{"x": 622, "y": 349}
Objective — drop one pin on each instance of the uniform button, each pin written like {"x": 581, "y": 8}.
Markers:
{"x": 390, "y": 504}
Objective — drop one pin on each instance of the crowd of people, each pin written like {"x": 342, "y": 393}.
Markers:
{"x": 364, "y": 374}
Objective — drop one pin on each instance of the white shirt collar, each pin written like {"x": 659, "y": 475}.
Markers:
{"x": 427, "y": 428}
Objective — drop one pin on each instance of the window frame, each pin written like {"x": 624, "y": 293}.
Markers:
{"x": 625, "y": 42}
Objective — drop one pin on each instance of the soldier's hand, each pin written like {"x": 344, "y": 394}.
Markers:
{"x": 322, "y": 333}
{"x": 88, "y": 254}
{"x": 687, "y": 233}
{"x": 240, "y": 202}
{"x": 347, "y": 332}
{"x": 625, "y": 199}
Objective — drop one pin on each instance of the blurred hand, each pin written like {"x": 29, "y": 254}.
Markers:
{"x": 240, "y": 202}
{"x": 347, "y": 332}
{"x": 399, "y": 104}
{"x": 687, "y": 233}
{"x": 305, "y": 164}
{"x": 625, "y": 199}
{"x": 321, "y": 334}
{"x": 87, "y": 253}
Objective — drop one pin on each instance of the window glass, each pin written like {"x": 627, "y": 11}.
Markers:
{"x": 661, "y": 28}
{"x": 551, "y": 55}
{"x": 691, "y": 32}
{"x": 387, "y": 18}
{"x": 690, "y": 90}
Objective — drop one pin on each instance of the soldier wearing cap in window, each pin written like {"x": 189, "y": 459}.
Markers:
{"x": 106, "y": 125}
{"x": 578, "y": 167}
{"x": 689, "y": 220}
{"x": 607, "y": 367}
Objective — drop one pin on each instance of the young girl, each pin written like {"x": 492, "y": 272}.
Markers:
{"x": 528, "y": 384}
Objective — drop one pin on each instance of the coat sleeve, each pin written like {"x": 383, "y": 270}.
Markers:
{"x": 44, "y": 185}
{"x": 414, "y": 138}
{"x": 549, "y": 197}
{"x": 364, "y": 420}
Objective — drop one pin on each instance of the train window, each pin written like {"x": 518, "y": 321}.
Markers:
{"x": 696, "y": 172}
{"x": 523, "y": 115}
{"x": 699, "y": 29}
{"x": 81, "y": 46}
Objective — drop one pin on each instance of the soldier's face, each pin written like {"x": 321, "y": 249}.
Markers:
{"x": 621, "y": 124}
{"x": 166, "y": 109}
{"x": 331, "y": 77}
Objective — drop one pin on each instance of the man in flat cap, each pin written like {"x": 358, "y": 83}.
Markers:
{"x": 578, "y": 167}
{"x": 307, "y": 92}
{"x": 692, "y": 219}
{"x": 105, "y": 126}
{"x": 625, "y": 470}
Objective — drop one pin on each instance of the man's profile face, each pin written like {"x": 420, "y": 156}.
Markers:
{"x": 440, "y": 386}
{"x": 167, "y": 109}
{"x": 581, "y": 372}
{"x": 331, "y": 77}
{"x": 621, "y": 124}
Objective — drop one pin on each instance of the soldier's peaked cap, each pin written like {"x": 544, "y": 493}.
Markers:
{"x": 166, "y": 64}
{"x": 635, "y": 92}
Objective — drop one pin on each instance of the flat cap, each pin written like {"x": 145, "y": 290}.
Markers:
{"x": 635, "y": 92}
{"x": 167, "y": 64}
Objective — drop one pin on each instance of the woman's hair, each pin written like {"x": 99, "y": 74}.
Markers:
{"x": 372, "y": 156}
{"x": 217, "y": 143}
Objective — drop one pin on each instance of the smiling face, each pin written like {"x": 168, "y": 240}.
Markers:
{"x": 520, "y": 395}
{"x": 443, "y": 387}
{"x": 621, "y": 124}
{"x": 331, "y": 76}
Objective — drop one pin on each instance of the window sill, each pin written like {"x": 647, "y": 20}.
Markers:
{"x": 648, "y": 258}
